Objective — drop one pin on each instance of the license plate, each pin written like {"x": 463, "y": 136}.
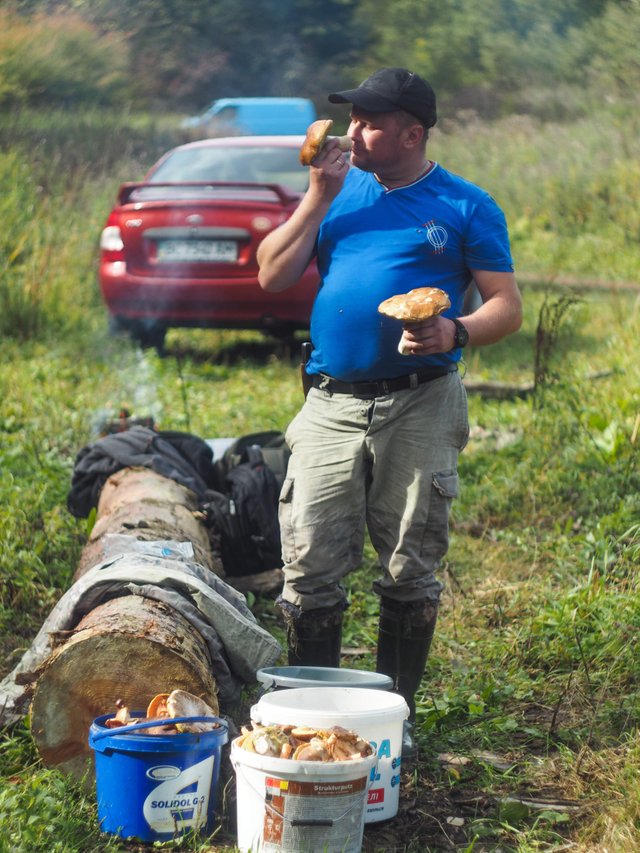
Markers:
{"x": 197, "y": 250}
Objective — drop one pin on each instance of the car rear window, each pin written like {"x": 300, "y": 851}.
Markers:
{"x": 271, "y": 165}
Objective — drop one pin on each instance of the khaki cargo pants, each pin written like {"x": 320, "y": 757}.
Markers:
{"x": 389, "y": 463}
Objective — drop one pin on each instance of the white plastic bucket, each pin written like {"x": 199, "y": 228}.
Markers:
{"x": 287, "y": 806}
{"x": 376, "y": 715}
{"x": 286, "y": 677}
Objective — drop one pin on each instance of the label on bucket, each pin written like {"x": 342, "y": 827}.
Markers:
{"x": 385, "y": 777}
{"x": 181, "y": 801}
{"x": 301, "y": 816}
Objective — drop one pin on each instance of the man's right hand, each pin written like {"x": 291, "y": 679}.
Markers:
{"x": 328, "y": 171}
{"x": 286, "y": 252}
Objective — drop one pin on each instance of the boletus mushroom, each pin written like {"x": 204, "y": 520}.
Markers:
{"x": 179, "y": 703}
{"x": 303, "y": 743}
{"x": 157, "y": 708}
{"x": 413, "y": 307}
{"x": 317, "y": 135}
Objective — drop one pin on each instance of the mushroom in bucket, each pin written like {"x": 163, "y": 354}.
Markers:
{"x": 304, "y": 743}
{"x": 165, "y": 708}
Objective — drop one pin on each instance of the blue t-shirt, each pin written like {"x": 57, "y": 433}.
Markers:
{"x": 375, "y": 243}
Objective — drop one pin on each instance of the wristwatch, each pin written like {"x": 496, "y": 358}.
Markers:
{"x": 461, "y": 337}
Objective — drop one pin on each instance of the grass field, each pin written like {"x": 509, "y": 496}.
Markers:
{"x": 530, "y": 707}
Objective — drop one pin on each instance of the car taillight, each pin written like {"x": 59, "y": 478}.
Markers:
{"x": 111, "y": 244}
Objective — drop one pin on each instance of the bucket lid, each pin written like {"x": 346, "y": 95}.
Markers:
{"x": 321, "y": 676}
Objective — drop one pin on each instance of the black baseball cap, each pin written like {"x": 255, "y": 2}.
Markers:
{"x": 391, "y": 89}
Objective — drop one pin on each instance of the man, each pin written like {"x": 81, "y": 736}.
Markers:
{"x": 378, "y": 437}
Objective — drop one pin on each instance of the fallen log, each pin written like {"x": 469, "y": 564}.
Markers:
{"x": 139, "y": 503}
{"x": 134, "y": 646}
{"x": 499, "y": 390}
{"x": 264, "y": 583}
{"x": 511, "y": 390}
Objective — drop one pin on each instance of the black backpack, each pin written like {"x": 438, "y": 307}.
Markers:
{"x": 245, "y": 518}
{"x": 273, "y": 446}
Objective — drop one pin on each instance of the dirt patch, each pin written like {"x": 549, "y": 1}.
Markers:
{"x": 423, "y": 821}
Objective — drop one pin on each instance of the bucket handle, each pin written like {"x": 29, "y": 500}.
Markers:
{"x": 149, "y": 724}
{"x": 267, "y": 687}
{"x": 297, "y": 821}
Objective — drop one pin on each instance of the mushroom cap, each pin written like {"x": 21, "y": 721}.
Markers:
{"x": 180, "y": 703}
{"x": 304, "y": 743}
{"x": 416, "y": 305}
{"x": 315, "y": 139}
{"x": 304, "y": 732}
{"x": 158, "y": 706}
{"x": 122, "y": 717}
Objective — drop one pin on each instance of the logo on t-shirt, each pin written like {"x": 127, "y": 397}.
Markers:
{"x": 437, "y": 236}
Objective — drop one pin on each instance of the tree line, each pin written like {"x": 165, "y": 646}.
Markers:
{"x": 493, "y": 56}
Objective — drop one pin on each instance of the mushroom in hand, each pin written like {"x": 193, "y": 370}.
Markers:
{"x": 317, "y": 135}
{"x": 413, "y": 307}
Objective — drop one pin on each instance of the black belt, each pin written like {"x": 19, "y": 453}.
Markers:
{"x": 378, "y": 387}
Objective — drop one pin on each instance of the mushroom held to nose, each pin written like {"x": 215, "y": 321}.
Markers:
{"x": 317, "y": 135}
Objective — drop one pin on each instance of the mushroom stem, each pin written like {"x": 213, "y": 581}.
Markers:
{"x": 344, "y": 142}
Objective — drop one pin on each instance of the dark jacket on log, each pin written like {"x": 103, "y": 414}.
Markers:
{"x": 180, "y": 456}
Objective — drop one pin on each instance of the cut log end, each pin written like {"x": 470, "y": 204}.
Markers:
{"x": 129, "y": 648}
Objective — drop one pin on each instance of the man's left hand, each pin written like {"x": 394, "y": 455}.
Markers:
{"x": 428, "y": 337}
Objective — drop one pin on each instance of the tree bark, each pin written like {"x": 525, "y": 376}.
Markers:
{"x": 139, "y": 503}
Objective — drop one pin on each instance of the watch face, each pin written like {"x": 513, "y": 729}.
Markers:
{"x": 462, "y": 336}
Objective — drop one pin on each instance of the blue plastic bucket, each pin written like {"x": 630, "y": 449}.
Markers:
{"x": 156, "y": 787}
{"x": 283, "y": 677}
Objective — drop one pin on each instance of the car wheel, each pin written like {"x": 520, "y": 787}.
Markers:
{"x": 118, "y": 325}
{"x": 150, "y": 336}
{"x": 285, "y": 339}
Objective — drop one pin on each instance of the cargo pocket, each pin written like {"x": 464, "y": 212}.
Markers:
{"x": 285, "y": 513}
{"x": 444, "y": 488}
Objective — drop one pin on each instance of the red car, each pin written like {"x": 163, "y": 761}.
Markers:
{"x": 179, "y": 247}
